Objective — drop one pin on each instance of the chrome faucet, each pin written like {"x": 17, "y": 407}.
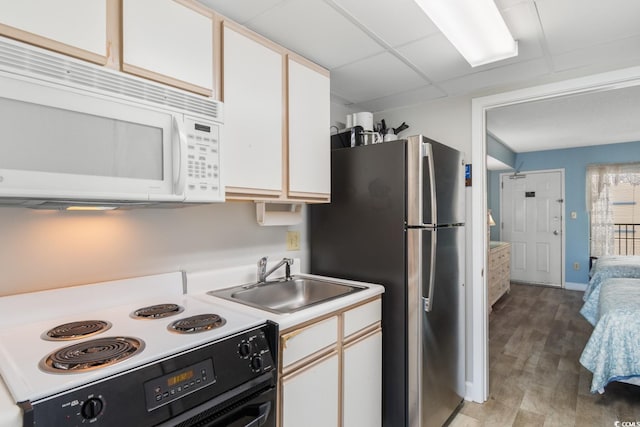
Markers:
{"x": 262, "y": 268}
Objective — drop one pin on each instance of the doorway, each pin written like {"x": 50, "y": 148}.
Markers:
{"x": 532, "y": 221}
{"x": 478, "y": 379}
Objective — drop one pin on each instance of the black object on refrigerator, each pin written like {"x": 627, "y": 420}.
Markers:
{"x": 396, "y": 218}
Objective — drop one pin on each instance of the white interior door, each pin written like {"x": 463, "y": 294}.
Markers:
{"x": 531, "y": 212}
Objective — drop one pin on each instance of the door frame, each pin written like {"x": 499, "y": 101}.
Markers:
{"x": 562, "y": 215}
{"x": 478, "y": 379}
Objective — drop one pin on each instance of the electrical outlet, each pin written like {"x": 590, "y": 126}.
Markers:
{"x": 576, "y": 266}
{"x": 293, "y": 240}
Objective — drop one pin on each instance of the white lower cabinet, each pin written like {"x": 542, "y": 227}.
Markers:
{"x": 311, "y": 395}
{"x": 362, "y": 382}
{"x": 331, "y": 370}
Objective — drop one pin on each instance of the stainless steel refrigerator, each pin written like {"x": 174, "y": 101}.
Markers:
{"x": 396, "y": 218}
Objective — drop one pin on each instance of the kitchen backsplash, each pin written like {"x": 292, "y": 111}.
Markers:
{"x": 49, "y": 249}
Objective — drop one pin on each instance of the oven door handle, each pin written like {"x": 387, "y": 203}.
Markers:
{"x": 263, "y": 413}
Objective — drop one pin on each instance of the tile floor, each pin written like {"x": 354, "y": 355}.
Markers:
{"x": 536, "y": 336}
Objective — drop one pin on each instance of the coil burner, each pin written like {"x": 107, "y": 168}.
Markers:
{"x": 195, "y": 324}
{"x": 157, "y": 311}
{"x": 91, "y": 354}
{"x": 76, "y": 330}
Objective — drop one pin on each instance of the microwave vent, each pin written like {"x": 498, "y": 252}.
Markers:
{"x": 20, "y": 58}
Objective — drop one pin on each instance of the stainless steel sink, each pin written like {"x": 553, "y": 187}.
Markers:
{"x": 286, "y": 295}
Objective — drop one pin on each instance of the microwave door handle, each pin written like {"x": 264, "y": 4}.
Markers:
{"x": 179, "y": 157}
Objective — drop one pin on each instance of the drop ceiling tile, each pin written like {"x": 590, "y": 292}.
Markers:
{"x": 396, "y": 23}
{"x": 604, "y": 56}
{"x": 316, "y": 31}
{"x": 436, "y": 57}
{"x": 240, "y": 11}
{"x": 576, "y": 24}
{"x": 374, "y": 77}
{"x": 496, "y": 77}
{"x": 402, "y": 99}
{"x": 522, "y": 20}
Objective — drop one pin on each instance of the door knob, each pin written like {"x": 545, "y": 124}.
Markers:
{"x": 555, "y": 232}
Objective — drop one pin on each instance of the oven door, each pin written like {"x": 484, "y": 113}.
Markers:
{"x": 257, "y": 412}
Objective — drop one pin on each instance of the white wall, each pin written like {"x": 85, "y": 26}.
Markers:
{"x": 339, "y": 114}
{"x": 447, "y": 121}
{"x": 49, "y": 249}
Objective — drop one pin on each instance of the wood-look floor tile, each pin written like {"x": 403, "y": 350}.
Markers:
{"x": 525, "y": 418}
{"x": 536, "y": 337}
{"x": 462, "y": 420}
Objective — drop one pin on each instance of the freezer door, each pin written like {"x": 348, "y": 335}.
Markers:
{"x": 435, "y": 282}
{"x": 435, "y": 183}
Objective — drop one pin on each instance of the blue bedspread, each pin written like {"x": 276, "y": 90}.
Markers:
{"x": 612, "y": 266}
{"x": 590, "y": 309}
{"x": 613, "y": 351}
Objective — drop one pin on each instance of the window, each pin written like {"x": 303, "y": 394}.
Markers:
{"x": 613, "y": 201}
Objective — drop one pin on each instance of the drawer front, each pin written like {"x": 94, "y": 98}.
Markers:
{"x": 360, "y": 317}
{"x": 304, "y": 342}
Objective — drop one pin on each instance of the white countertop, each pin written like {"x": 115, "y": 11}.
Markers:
{"x": 201, "y": 282}
{"x": 289, "y": 320}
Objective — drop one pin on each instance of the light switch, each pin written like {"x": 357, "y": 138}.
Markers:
{"x": 574, "y": 214}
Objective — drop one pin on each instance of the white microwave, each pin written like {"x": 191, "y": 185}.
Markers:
{"x": 74, "y": 133}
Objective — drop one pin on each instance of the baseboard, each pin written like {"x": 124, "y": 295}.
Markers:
{"x": 573, "y": 286}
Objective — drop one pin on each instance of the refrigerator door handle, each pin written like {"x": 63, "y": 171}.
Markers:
{"x": 420, "y": 170}
{"x": 427, "y": 297}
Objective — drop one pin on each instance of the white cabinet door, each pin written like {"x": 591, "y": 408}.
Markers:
{"x": 253, "y": 98}
{"x": 309, "y": 133}
{"x": 168, "y": 42}
{"x": 310, "y": 397}
{"x": 362, "y": 387}
{"x": 73, "y": 27}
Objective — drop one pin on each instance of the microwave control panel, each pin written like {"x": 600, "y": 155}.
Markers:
{"x": 203, "y": 183}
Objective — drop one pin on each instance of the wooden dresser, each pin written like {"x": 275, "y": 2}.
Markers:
{"x": 499, "y": 270}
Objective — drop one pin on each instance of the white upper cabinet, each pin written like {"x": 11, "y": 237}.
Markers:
{"x": 73, "y": 27}
{"x": 276, "y": 121}
{"x": 165, "y": 41}
{"x": 309, "y": 136}
{"x": 253, "y": 97}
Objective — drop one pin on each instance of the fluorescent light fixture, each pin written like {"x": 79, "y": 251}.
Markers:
{"x": 474, "y": 27}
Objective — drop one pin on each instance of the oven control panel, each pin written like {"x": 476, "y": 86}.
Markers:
{"x": 254, "y": 348}
{"x": 167, "y": 388}
{"x": 214, "y": 374}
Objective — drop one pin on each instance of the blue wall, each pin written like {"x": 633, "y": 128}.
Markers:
{"x": 497, "y": 150}
{"x": 574, "y": 162}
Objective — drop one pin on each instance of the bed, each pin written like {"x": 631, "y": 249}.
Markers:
{"x": 607, "y": 267}
{"x": 613, "y": 350}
